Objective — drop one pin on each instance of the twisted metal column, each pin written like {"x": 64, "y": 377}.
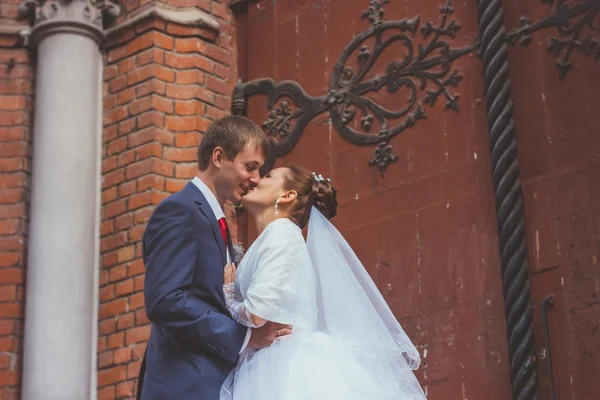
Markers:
{"x": 509, "y": 202}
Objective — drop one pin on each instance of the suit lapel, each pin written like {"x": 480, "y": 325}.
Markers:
{"x": 204, "y": 207}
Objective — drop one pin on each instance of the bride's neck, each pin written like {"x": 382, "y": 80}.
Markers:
{"x": 264, "y": 218}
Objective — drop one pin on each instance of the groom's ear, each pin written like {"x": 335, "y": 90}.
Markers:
{"x": 218, "y": 155}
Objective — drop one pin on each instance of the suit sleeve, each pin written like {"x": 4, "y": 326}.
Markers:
{"x": 170, "y": 255}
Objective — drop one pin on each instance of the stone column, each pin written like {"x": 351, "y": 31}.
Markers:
{"x": 60, "y": 309}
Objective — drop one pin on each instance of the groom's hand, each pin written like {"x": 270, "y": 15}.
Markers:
{"x": 266, "y": 334}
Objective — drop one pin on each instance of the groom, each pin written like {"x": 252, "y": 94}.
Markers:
{"x": 194, "y": 343}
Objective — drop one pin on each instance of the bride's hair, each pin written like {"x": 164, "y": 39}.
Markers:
{"x": 311, "y": 192}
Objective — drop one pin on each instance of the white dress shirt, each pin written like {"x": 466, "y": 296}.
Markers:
{"x": 218, "y": 211}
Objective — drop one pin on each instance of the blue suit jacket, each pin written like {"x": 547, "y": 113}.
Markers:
{"x": 193, "y": 343}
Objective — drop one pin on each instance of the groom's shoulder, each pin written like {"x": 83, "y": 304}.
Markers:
{"x": 175, "y": 200}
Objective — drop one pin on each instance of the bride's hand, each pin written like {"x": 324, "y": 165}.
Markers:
{"x": 229, "y": 274}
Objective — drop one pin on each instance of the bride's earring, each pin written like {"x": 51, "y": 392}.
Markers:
{"x": 277, "y": 207}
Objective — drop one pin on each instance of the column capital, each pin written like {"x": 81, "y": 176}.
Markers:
{"x": 87, "y": 17}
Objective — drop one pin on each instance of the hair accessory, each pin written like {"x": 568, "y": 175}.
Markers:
{"x": 319, "y": 178}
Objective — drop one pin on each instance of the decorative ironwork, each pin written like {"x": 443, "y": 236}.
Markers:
{"x": 509, "y": 202}
{"x": 570, "y": 22}
{"x": 547, "y": 302}
{"x": 424, "y": 68}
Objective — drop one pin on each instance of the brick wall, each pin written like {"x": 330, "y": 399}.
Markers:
{"x": 15, "y": 144}
{"x": 164, "y": 83}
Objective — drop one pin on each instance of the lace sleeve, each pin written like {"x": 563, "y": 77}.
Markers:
{"x": 236, "y": 308}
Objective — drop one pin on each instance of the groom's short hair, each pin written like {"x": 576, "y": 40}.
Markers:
{"x": 232, "y": 133}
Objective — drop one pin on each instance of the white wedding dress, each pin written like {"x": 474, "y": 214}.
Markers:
{"x": 346, "y": 344}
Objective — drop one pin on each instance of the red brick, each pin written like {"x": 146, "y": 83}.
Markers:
{"x": 140, "y": 200}
{"x": 181, "y": 155}
{"x": 189, "y": 76}
{"x": 115, "y": 115}
{"x": 116, "y": 146}
{"x": 148, "y": 24}
{"x": 136, "y": 267}
{"x": 136, "y": 233}
{"x": 180, "y": 30}
{"x": 123, "y": 222}
{"x": 189, "y": 107}
{"x": 8, "y": 260}
{"x": 221, "y": 10}
{"x": 105, "y": 359}
{"x": 126, "y": 158}
{"x": 11, "y": 243}
{"x": 188, "y": 139}
{"x": 164, "y": 74}
{"x": 163, "y": 168}
{"x": 216, "y": 53}
{"x": 140, "y": 74}
{"x": 106, "y": 393}
{"x": 214, "y": 113}
{"x": 140, "y": 137}
{"x": 145, "y": 88}
{"x": 115, "y": 341}
{"x": 127, "y": 126}
{"x": 11, "y": 310}
{"x": 117, "y": 84}
{"x": 222, "y": 102}
{"x": 122, "y": 356}
{"x": 113, "y": 178}
{"x": 177, "y": 123}
{"x": 223, "y": 72}
{"x": 107, "y": 326}
{"x": 163, "y": 41}
{"x": 112, "y": 242}
{"x": 12, "y": 211}
{"x": 10, "y": 227}
{"x": 11, "y": 164}
{"x": 126, "y": 320}
{"x": 107, "y": 293}
{"x": 147, "y": 150}
{"x": 175, "y": 185}
{"x": 218, "y": 86}
{"x": 145, "y": 57}
{"x": 116, "y": 54}
{"x": 9, "y": 378}
{"x": 140, "y": 42}
{"x": 112, "y": 308}
{"x": 142, "y": 216}
{"x": 188, "y": 170}
{"x": 190, "y": 45}
{"x": 139, "y": 168}
{"x": 126, "y": 96}
{"x": 12, "y": 133}
{"x": 133, "y": 369}
{"x": 137, "y": 335}
{"x": 150, "y": 118}
{"x": 140, "y": 315}
{"x": 118, "y": 273}
{"x": 204, "y": 4}
{"x": 111, "y": 375}
{"x": 136, "y": 301}
{"x": 115, "y": 208}
{"x": 126, "y": 65}
{"x": 139, "y": 106}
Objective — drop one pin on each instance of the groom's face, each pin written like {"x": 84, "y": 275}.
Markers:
{"x": 242, "y": 173}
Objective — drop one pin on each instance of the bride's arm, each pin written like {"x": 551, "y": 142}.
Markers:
{"x": 235, "y": 307}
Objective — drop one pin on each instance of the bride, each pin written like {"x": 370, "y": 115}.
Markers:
{"x": 346, "y": 343}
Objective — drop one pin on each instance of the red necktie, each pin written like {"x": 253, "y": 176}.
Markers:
{"x": 223, "y": 225}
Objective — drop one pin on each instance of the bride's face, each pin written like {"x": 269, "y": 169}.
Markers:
{"x": 268, "y": 190}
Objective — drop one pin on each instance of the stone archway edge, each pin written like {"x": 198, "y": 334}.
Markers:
{"x": 187, "y": 16}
